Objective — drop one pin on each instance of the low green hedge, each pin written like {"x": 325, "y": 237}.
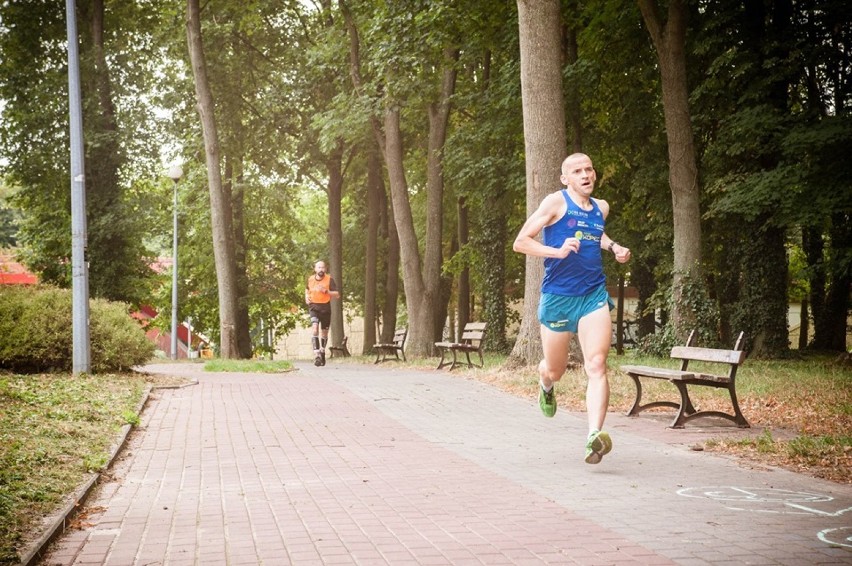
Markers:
{"x": 36, "y": 332}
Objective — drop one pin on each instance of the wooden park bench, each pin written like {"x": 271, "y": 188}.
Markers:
{"x": 342, "y": 350}
{"x": 683, "y": 378}
{"x": 472, "y": 339}
{"x": 393, "y": 348}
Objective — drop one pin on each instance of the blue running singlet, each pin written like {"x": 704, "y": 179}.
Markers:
{"x": 579, "y": 273}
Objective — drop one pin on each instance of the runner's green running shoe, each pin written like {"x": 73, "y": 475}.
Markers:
{"x": 547, "y": 401}
{"x": 598, "y": 446}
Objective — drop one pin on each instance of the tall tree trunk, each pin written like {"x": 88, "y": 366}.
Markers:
{"x": 220, "y": 205}
{"x": 544, "y": 144}
{"x": 758, "y": 313}
{"x": 491, "y": 238}
{"x": 444, "y": 316}
{"x": 642, "y": 277}
{"x": 439, "y": 120}
{"x": 464, "y": 276}
{"x": 669, "y": 39}
{"x": 110, "y": 253}
{"x": 235, "y": 189}
{"x": 388, "y": 223}
{"x": 804, "y": 324}
{"x": 840, "y": 278}
{"x": 389, "y": 310}
{"x": 375, "y": 186}
{"x": 417, "y": 299}
{"x": 422, "y": 284}
{"x": 727, "y": 273}
{"x": 573, "y": 106}
{"x": 762, "y": 304}
{"x": 495, "y": 234}
{"x": 814, "y": 248}
{"x": 334, "y": 165}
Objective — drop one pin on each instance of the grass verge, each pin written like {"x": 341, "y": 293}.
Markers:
{"x": 53, "y": 430}
{"x": 249, "y": 366}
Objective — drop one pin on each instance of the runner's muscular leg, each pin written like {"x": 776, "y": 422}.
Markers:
{"x": 594, "y": 334}
{"x": 555, "y": 346}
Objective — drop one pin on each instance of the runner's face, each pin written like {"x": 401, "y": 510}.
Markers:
{"x": 319, "y": 269}
{"x": 579, "y": 174}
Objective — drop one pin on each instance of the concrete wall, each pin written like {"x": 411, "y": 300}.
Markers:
{"x": 297, "y": 344}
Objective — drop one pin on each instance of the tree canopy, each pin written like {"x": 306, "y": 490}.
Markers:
{"x": 388, "y": 139}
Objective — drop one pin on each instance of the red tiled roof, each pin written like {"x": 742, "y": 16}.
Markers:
{"x": 13, "y": 273}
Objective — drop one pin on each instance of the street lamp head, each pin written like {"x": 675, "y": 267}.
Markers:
{"x": 175, "y": 173}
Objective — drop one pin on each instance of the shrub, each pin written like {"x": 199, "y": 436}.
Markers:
{"x": 36, "y": 332}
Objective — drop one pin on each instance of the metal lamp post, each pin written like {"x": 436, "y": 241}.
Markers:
{"x": 175, "y": 173}
{"x": 82, "y": 356}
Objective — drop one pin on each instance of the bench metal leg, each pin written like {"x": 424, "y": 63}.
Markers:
{"x": 686, "y": 409}
{"x": 739, "y": 418}
{"x": 638, "y": 407}
{"x": 443, "y": 355}
{"x": 471, "y": 363}
{"x": 684, "y": 416}
{"x": 381, "y": 355}
{"x": 443, "y": 363}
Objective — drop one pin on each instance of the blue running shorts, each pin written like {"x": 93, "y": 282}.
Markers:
{"x": 563, "y": 314}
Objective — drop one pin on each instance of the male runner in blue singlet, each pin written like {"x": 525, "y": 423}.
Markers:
{"x": 574, "y": 298}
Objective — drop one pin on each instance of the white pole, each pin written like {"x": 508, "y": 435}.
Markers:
{"x": 82, "y": 360}
{"x": 175, "y": 173}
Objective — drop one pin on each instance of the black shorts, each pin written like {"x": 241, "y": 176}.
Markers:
{"x": 320, "y": 313}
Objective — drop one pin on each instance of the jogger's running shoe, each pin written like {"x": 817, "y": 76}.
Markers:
{"x": 318, "y": 361}
{"x": 322, "y": 357}
{"x": 547, "y": 401}
{"x": 598, "y": 446}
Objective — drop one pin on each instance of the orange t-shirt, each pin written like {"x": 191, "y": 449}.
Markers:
{"x": 314, "y": 286}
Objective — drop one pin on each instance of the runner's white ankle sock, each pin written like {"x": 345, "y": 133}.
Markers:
{"x": 546, "y": 389}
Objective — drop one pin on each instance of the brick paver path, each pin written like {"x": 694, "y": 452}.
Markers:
{"x": 359, "y": 464}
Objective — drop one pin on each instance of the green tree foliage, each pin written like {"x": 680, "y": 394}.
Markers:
{"x": 483, "y": 168}
{"x": 766, "y": 92}
{"x": 35, "y": 140}
{"x": 9, "y": 219}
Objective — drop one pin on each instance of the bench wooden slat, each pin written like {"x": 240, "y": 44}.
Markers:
{"x": 708, "y": 355}
{"x": 710, "y": 377}
{"x": 662, "y": 373}
{"x": 674, "y": 374}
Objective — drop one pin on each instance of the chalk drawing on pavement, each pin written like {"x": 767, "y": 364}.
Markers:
{"x": 840, "y": 536}
{"x": 771, "y": 500}
{"x": 766, "y": 499}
